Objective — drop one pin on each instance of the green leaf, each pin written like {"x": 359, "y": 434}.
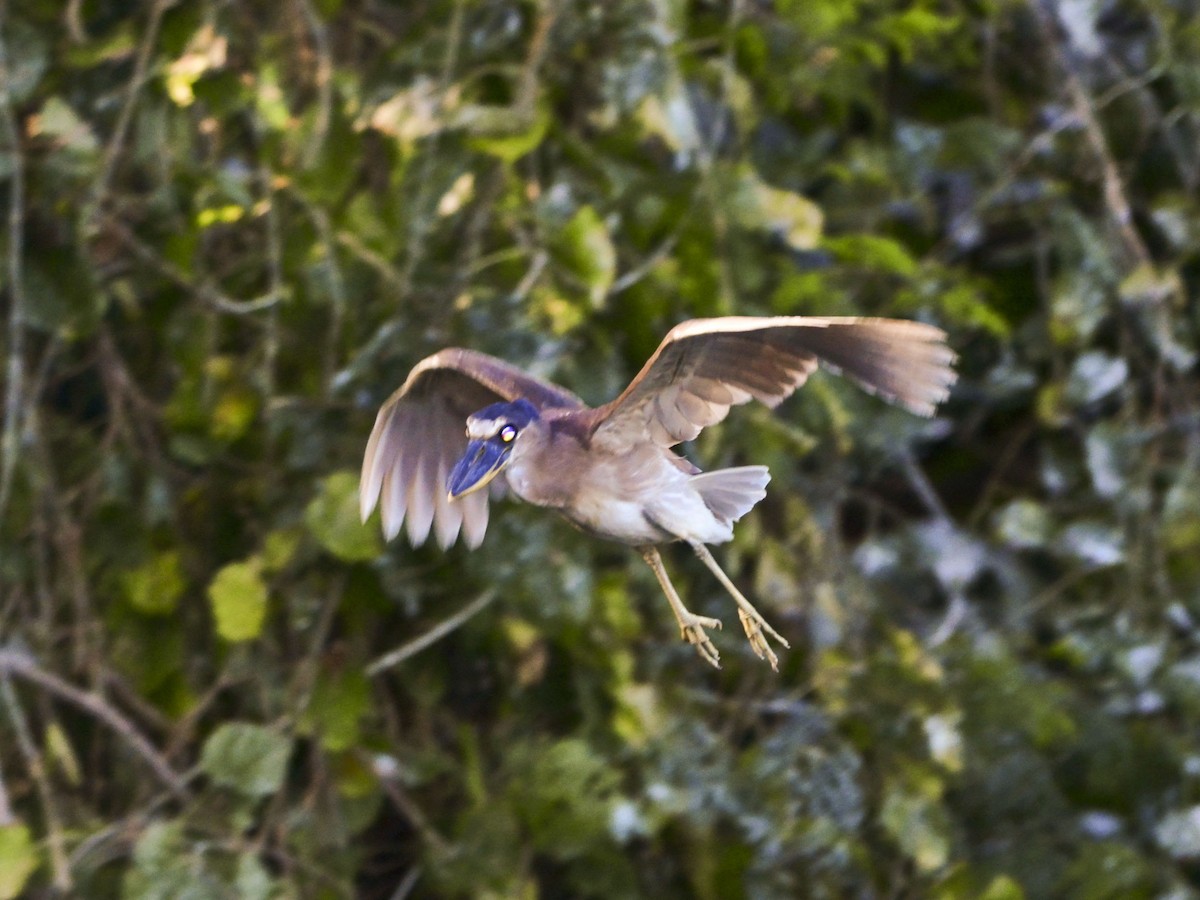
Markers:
{"x": 114, "y": 45}
{"x": 1148, "y": 284}
{"x": 166, "y": 866}
{"x": 253, "y": 881}
{"x": 1094, "y": 376}
{"x": 233, "y": 413}
{"x": 755, "y": 205}
{"x": 870, "y": 251}
{"x": 1110, "y": 870}
{"x": 1002, "y": 887}
{"x": 62, "y": 754}
{"x": 1181, "y": 511}
{"x": 247, "y": 758}
{"x": 61, "y": 123}
{"x": 565, "y": 794}
{"x": 912, "y": 814}
{"x": 61, "y": 299}
{"x": 239, "y": 600}
{"x": 154, "y": 587}
{"x": 504, "y": 131}
{"x": 337, "y": 704}
{"x": 333, "y": 519}
{"x": 18, "y": 860}
{"x": 158, "y": 847}
{"x": 1024, "y": 524}
{"x": 1095, "y": 544}
{"x": 27, "y": 60}
{"x": 587, "y": 250}
{"x": 279, "y": 547}
{"x": 205, "y": 51}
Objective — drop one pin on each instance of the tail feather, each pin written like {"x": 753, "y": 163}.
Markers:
{"x": 731, "y": 493}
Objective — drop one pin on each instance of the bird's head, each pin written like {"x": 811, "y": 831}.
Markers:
{"x": 493, "y": 433}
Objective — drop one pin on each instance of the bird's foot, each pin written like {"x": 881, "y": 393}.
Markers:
{"x": 692, "y": 626}
{"x": 757, "y": 630}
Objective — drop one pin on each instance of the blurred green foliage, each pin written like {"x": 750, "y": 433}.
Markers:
{"x": 231, "y": 228}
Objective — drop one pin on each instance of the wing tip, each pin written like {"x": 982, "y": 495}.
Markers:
{"x": 366, "y": 503}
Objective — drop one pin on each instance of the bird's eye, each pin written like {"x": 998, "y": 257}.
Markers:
{"x": 507, "y": 433}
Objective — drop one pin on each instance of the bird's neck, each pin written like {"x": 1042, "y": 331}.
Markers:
{"x": 545, "y": 466}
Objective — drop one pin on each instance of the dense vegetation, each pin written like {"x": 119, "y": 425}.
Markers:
{"x": 229, "y": 230}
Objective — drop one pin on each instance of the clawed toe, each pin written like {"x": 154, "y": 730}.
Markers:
{"x": 692, "y": 627}
{"x": 757, "y": 630}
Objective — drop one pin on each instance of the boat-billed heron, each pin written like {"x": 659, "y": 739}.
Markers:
{"x": 464, "y": 419}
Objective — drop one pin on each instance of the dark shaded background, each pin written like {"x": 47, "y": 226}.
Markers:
{"x": 231, "y": 228}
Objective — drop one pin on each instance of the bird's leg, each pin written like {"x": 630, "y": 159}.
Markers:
{"x": 756, "y": 626}
{"x": 691, "y": 626}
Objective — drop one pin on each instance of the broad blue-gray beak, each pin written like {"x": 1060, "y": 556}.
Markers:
{"x": 482, "y": 462}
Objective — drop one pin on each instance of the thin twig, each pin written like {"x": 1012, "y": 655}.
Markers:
{"x": 337, "y": 293}
{"x": 435, "y": 634}
{"x": 642, "y": 269}
{"x": 6, "y": 814}
{"x": 301, "y": 689}
{"x": 956, "y": 613}
{"x": 406, "y": 805}
{"x": 73, "y": 20}
{"x": 24, "y": 667}
{"x": 920, "y": 483}
{"x": 530, "y": 278}
{"x": 407, "y": 883}
{"x": 706, "y": 158}
{"x": 275, "y": 280}
{"x": 169, "y": 270}
{"x": 352, "y": 242}
{"x": 324, "y": 79}
{"x": 415, "y": 244}
{"x": 67, "y": 538}
{"x": 114, "y": 831}
{"x": 184, "y": 732}
{"x": 16, "y": 308}
{"x": 1115, "y": 199}
{"x": 117, "y": 141}
{"x": 999, "y": 469}
{"x": 59, "y": 863}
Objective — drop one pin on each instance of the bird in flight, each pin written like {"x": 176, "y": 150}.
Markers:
{"x": 465, "y": 420}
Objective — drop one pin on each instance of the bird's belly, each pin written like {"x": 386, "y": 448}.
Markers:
{"x": 623, "y": 521}
{"x": 638, "y": 498}
{"x": 674, "y": 512}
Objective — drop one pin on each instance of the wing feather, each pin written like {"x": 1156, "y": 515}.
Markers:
{"x": 705, "y": 366}
{"x": 475, "y": 517}
{"x": 419, "y": 434}
{"x": 420, "y": 500}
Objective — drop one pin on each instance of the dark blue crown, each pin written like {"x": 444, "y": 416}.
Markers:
{"x": 519, "y": 412}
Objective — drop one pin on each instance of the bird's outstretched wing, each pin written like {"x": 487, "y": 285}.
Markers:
{"x": 420, "y": 433}
{"x": 705, "y": 366}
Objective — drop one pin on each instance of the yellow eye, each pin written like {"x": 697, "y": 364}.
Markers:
{"x": 507, "y": 433}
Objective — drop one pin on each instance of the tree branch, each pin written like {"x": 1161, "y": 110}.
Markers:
{"x": 15, "y": 663}
{"x": 15, "y": 367}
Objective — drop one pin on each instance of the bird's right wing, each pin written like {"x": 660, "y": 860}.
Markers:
{"x": 420, "y": 433}
{"x": 705, "y": 366}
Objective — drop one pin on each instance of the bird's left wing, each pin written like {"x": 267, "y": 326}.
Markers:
{"x": 705, "y": 366}
{"x": 420, "y": 433}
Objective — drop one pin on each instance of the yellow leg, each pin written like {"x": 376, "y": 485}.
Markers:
{"x": 752, "y": 621}
{"x": 691, "y": 626}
